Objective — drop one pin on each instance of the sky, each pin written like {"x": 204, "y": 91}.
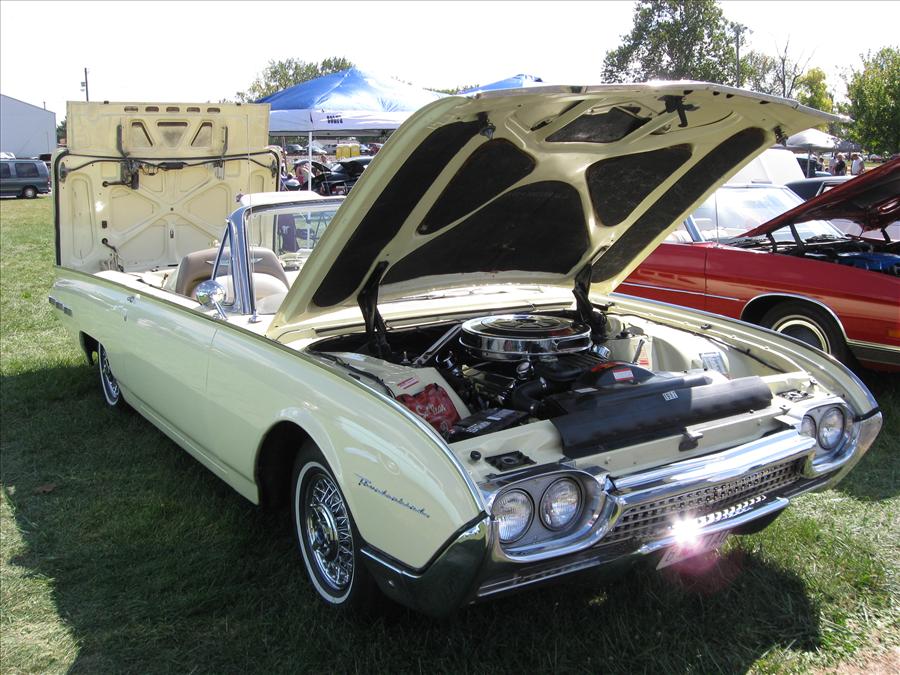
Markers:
{"x": 206, "y": 51}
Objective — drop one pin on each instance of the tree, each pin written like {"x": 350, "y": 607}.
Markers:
{"x": 778, "y": 75}
{"x": 812, "y": 90}
{"x": 673, "y": 40}
{"x": 758, "y": 71}
{"x": 61, "y": 131}
{"x": 874, "y": 94}
{"x": 787, "y": 71}
{"x": 280, "y": 75}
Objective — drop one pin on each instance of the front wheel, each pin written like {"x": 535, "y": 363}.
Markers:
{"x": 809, "y": 324}
{"x": 327, "y": 535}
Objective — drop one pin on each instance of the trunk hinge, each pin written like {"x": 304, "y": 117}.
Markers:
{"x": 587, "y": 313}
{"x": 368, "y": 305}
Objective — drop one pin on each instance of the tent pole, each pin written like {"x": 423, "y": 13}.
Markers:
{"x": 309, "y": 152}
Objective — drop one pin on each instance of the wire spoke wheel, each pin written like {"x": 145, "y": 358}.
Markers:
{"x": 111, "y": 391}
{"x": 328, "y": 532}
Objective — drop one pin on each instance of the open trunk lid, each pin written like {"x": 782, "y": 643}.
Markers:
{"x": 140, "y": 185}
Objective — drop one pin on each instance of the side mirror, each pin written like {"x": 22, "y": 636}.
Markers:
{"x": 211, "y": 293}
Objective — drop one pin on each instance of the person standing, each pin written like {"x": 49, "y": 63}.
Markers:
{"x": 857, "y": 166}
{"x": 840, "y": 166}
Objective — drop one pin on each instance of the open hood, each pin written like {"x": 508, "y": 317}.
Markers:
{"x": 871, "y": 200}
{"x": 534, "y": 186}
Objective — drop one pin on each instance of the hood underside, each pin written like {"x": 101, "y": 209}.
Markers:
{"x": 871, "y": 200}
{"x": 532, "y": 186}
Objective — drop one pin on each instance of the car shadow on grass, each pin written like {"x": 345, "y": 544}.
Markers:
{"x": 156, "y": 565}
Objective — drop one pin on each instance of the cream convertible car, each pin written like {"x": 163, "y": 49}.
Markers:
{"x": 433, "y": 377}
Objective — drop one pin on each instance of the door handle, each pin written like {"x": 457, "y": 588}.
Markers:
{"x": 133, "y": 298}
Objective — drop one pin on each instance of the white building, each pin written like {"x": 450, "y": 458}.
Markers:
{"x": 26, "y": 130}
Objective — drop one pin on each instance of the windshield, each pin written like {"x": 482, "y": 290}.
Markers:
{"x": 292, "y": 232}
{"x": 731, "y": 211}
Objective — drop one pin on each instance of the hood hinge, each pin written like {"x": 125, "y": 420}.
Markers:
{"x": 587, "y": 313}
{"x": 367, "y": 300}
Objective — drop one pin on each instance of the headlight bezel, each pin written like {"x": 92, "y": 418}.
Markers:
{"x": 825, "y": 459}
{"x": 595, "y": 506}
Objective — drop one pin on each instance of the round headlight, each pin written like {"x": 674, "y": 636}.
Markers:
{"x": 831, "y": 428}
{"x": 808, "y": 427}
{"x": 513, "y": 512}
{"x": 560, "y": 504}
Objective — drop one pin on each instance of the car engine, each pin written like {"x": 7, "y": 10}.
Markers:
{"x": 595, "y": 383}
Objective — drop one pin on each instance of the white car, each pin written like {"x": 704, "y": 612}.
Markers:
{"x": 432, "y": 376}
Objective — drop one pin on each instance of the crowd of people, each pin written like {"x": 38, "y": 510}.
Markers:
{"x": 838, "y": 165}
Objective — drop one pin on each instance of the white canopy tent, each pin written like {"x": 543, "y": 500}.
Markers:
{"x": 809, "y": 140}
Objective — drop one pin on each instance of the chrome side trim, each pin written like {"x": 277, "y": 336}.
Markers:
{"x": 888, "y": 355}
{"x": 65, "y": 309}
{"x": 676, "y": 290}
{"x": 794, "y": 296}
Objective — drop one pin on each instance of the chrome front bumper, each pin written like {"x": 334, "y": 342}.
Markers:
{"x": 729, "y": 490}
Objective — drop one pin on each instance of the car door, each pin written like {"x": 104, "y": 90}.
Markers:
{"x": 675, "y": 272}
{"x": 166, "y": 354}
{"x": 6, "y": 180}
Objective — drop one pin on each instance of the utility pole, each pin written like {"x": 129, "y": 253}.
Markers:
{"x": 738, "y": 30}
{"x": 84, "y": 87}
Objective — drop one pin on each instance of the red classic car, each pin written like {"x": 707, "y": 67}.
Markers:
{"x": 759, "y": 253}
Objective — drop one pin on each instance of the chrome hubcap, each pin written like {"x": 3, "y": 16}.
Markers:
{"x": 328, "y": 532}
{"x": 804, "y": 330}
{"x": 110, "y": 386}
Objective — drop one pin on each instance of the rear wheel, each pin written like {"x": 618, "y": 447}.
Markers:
{"x": 327, "y": 535}
{"x": 29, "y": 193}
{"x": 108, "y": 383}
{"x": 809, "y": 324}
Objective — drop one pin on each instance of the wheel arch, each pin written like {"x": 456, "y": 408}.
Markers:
{"x": 756, "y": 308}
{"x": 89, "y": 346}
{"x": 275, "y": 462}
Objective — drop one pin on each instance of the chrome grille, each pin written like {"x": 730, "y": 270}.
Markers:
{"x": 652, "y": 520}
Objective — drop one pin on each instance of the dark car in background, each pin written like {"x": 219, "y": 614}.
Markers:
{"x": 812, "y": 187}
{"x": 26, "y": 178}
{"x": 346, "y": 172}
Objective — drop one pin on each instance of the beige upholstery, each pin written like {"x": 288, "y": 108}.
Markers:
{"x": 679, "y": 236}
{"x": 197, "y": 266}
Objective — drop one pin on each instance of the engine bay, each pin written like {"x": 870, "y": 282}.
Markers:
{"x": 604, "y": 383}
{"x": 866, "y": 254}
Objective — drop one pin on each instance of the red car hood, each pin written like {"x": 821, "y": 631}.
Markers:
{"x": 871, "y": 200}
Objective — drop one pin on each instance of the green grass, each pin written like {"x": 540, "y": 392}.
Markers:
{"x": 121, "y": 554}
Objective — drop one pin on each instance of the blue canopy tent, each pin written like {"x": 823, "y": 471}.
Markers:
{"x": 347, "y": 102}
{"x": 350, "y": 101}
{"x": 514, "y": 82}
